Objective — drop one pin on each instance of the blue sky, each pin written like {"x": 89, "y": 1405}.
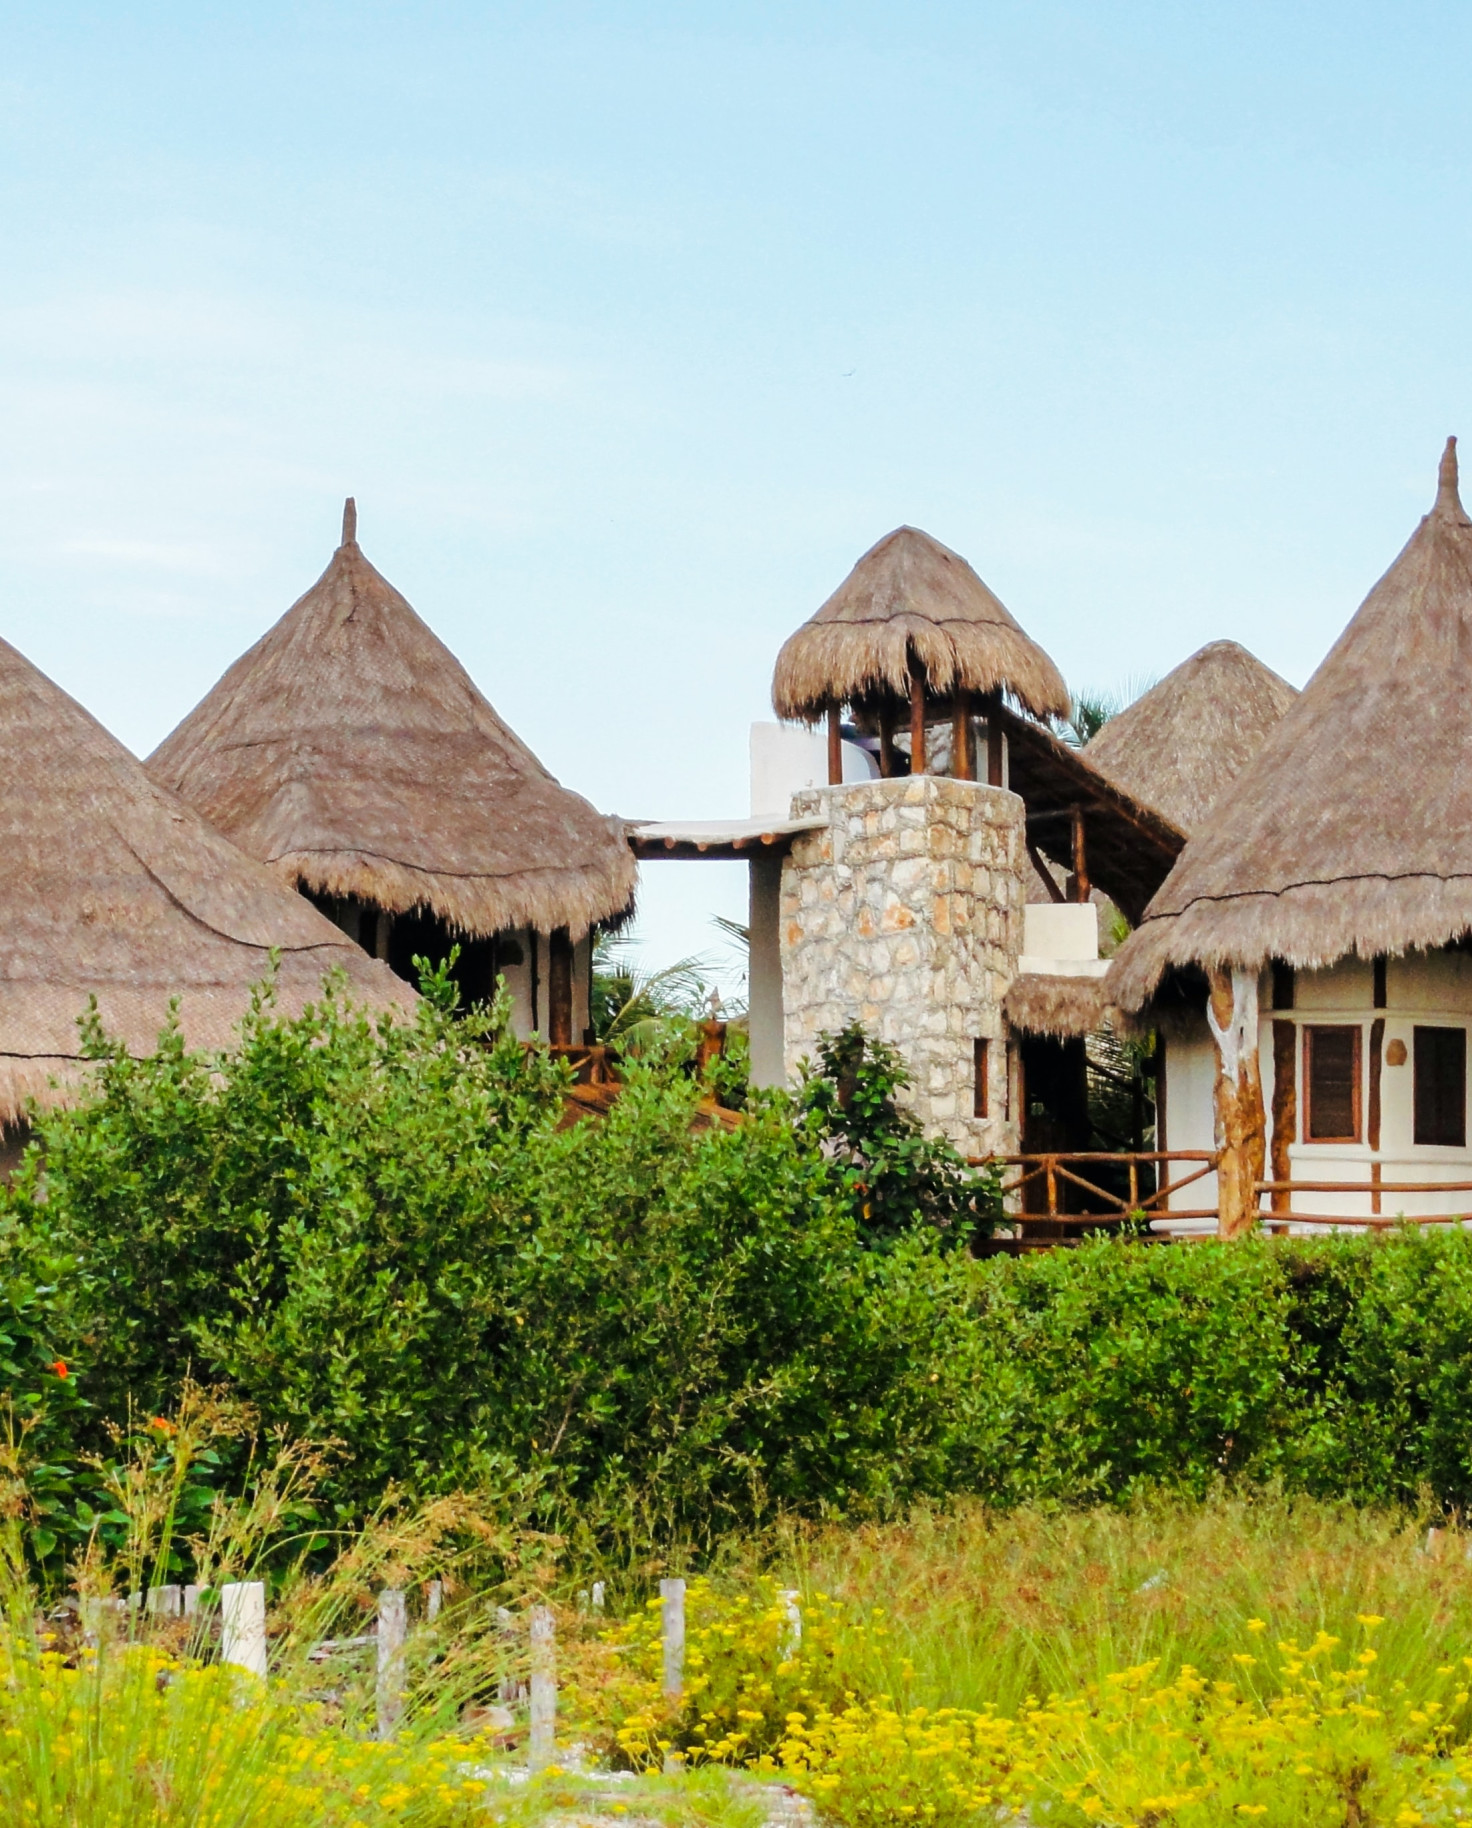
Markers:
{"x": 631, "y": 327}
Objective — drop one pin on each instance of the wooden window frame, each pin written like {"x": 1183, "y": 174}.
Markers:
{"x": 1310, "y": 1029}
{"x": 981, "y": 1051}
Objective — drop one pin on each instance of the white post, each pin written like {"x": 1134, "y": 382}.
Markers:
{"x": 672, "y": 1622}
{"x": 792, "y": 1631}
{"x": 243, "y": 1626}
{"x": 165, "y": 1602}
{"x": 434, "y": 1599}
{"x": 393, "y": 1629}
{"x": 543, "y": 1739}
{"x": 598, "y": 1595}
{"x": 191, "y": 1600}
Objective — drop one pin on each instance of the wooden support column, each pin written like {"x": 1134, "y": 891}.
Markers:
{"x": 1285, "y": 1107}
{"x": 962, "y": 765}
{"x": 559, "y": 988}
{"x": 1080, "y": 884}
{"x": 1241, "y": 1122}
{"x": 993, "y": 704}
{"x": 917, "y": 716}
{"x": 835, "y": 747}
{"x": 886, "y": 740}
{"x": 1377, "y": 1053}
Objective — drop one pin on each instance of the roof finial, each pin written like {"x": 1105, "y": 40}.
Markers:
{"x": 1446, "y": 481}
{"x": 350, "y": 519}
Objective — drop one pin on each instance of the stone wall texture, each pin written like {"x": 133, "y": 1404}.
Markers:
{"x": 905, "y": 912}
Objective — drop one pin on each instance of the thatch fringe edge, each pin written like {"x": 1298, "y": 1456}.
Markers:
{"x": 1308, "y": 925}
{"x": 1048, "y": 1003}
{"x": 823, "y": 658}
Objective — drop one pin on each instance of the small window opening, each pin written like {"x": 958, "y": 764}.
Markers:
{"x": 1441, "y": 1086}
{"x": 982, "y": 1057}
{"x": 1332, "y": 1071}
{"x": 1380, "y": 983}
{"x": 1282, "y": 985}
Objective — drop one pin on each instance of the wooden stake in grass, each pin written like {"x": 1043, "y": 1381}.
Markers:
{"x": 672, "y": 1626}
{"x": 393, "y": 1630}
{"x": 243, "y": 1626}
{"x": 542, "y": 1743}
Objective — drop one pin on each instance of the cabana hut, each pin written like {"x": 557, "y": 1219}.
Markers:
{"x": 1314, "y": 936}
{"x": 352, "y": 753}
{"x": 113, "y": 889}
{"x": 899, "y": 900}
{"x": 1182, "y": 744}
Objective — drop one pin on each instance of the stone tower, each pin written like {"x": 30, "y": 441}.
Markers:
{"x": 905, "y": 913}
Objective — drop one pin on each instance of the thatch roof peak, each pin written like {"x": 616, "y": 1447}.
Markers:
{"x": 351, "y": 751}
{"x": 1351, "y": 831}
{"x": 910, "y": 595}
{"x": 114, "y": 888}
{"x": 1182, "y": 744}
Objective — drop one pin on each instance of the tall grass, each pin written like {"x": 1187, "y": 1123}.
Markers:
{"x": 987, "y": 1608}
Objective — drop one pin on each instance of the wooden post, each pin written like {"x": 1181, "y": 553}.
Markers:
{"x": 393, "y": 1630}
{"x": 1285, "y": 1108}
{"x": 243, "y": 1626}
{"x": 994, "y": 740}
{"x": 835, "y": 747}
{"x": 962, "y": 764}
{"x": 543, "y": 1738}
{"x": 1241, "y": 1122}
{"x": 559, "y": 987}
{"x": 672, "y": 1630}
{"x": 917, "y": 716}
{"x": 1080, "y": 884}
{"x": 886, "y": 739}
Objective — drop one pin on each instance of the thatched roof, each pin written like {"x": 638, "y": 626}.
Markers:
{"x": 352, "y": 752}
{"x": 113, "y": 888}
{"x": 1351, "y": 831}
{"x": 1182, "y": 744}
{"x": 911, "y": 594}
{"x": 1044, "y": 1003}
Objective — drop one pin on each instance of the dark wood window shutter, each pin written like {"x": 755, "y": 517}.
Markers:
{"x": 1331, "y": 1069}
{"x": 1440, "y": 1056}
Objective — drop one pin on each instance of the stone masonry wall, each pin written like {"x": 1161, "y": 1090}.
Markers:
{"x": 906, "y": 912}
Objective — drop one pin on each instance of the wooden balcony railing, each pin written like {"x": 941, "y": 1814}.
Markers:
{"x": 1051, "y": 1186}
{"x": 1283, "y": 1213}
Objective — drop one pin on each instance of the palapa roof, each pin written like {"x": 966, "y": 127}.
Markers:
{"x": 911, "y": 594}
{"x": 351, "y": 751}
{"x": 1048, "y": 1003}
{"x": 1351, "y": 831}
{"x": 1180, "y": 745}
{"x": 113, "y": 888}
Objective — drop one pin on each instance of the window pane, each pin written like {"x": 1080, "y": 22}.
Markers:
{"x": 1333, "y": 1070}
{"x": 1441, "y": 1086}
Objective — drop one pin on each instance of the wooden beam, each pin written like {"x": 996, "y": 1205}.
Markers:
{"x": 1285, "y": 1106}
{"x": 994, "y": 740}
{"x": 1377, "y": 1051}
{"x": 1081, "y": 884}
{"x": 835, "y": 747}
{"x": 962, "y": 767}
{"x": 917, "y": 716}
{"x": 1040, "y": 865}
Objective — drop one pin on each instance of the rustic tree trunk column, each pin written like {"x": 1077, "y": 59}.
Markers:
{"x": 1241, "y": 1122}
{"x": 835, "y": 747}
{"x": 961, "y": 763}
{"x": 917, "y": 717}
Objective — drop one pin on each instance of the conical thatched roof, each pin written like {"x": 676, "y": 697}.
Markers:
{"x": 352, "y": 752}
{"x": 111, "y": 887}
{"x": 911, "y": 594}
{"x": 1351, "y": 832}
{"x": 1180, "y": 745}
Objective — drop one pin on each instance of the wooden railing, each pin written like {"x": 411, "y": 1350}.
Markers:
{"x": 1374, "y": 1189}
{"x": 1050, "y": 1186}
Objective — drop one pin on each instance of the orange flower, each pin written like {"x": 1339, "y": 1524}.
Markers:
{"x": 59, "y": 1367}
{"x": 162, "y": 1424}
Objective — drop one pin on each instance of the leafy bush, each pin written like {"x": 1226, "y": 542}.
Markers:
{"x": 889, "y": 1171}
{"x": 380, "y": 1235}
